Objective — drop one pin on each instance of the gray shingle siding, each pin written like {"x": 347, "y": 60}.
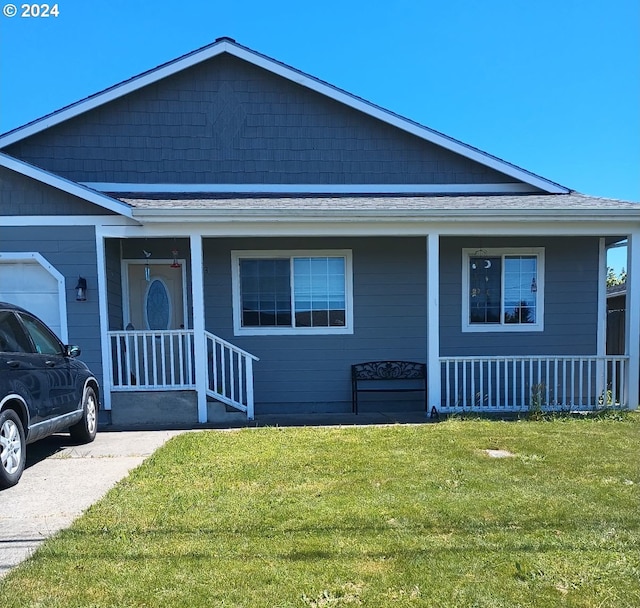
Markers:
{"x": 227, "y": 121}
{"x": 21, "y": 196}
{"x": 313, "y": 372}
{"x": 72, "y": 251}
{"x": 571, "y": 300}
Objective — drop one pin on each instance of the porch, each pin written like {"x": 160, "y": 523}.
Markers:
{"x": 164, "y": 361}
{"x": 404, "y": 300}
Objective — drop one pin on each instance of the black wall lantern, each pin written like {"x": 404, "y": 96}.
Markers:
{"x": 81, "y": 289}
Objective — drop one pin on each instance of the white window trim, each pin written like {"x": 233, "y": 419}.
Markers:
{"x": 503, "y": 327}
{"x": 238, "y": 255}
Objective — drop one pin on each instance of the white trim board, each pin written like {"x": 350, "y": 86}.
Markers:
{"x": 68, "y": 186}
{"x": 139, "y": 188}
{"x": 404, "y": 226}
{"x": 227, "y": 45}
{"x": 67, "y": 220}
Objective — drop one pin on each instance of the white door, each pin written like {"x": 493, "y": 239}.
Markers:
{"x": 29, "y": 284}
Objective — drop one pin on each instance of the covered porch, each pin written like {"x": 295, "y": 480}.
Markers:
{"x": 207, "y": 360}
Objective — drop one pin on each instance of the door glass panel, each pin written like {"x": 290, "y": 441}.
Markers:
{"x": 157, "y": 306}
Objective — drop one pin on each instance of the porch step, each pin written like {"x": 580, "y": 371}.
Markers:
{"x": 220, "y": 412}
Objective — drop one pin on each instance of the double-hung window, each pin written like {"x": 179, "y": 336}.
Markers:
{"x": 292, "y": 292}
{"x": 503, "y": 290}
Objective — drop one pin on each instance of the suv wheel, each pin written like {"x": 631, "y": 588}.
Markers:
{"x": 85, "y": 430}
{"x": 12, "y": 449}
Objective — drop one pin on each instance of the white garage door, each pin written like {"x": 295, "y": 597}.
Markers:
{"x": 36, "y": 287}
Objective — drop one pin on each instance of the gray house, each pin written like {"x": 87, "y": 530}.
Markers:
{"x": 226, "y": 234}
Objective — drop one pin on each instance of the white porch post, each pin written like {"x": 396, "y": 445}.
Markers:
{"x": 434, "y": 389}
{"x": 199, "y": 340}
{"x": 632, "y": 322}
{"x": 601, "y": 336}
{"x": 105, "y": 344}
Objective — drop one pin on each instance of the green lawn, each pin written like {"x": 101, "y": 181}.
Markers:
{"x": 370, "y": 516}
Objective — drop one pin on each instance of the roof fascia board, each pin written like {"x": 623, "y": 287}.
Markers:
{"x": 60, "y": 183}
{"x": 311, "y": 188}
{"x": 477, "y": 216}
{"x": 67, "y": 220}
{"x": 363, "y": 227}
{"x": 293, "y": 75}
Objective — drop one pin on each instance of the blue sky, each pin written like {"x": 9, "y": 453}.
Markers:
{"x": 552, "y": 86}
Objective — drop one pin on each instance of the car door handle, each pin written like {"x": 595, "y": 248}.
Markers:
{"x": 50, "y": 363}
{"x": 13, "y": 363}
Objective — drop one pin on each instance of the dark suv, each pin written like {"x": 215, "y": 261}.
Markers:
{"x": 43, "y": 390}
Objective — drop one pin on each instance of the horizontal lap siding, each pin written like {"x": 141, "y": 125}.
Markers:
{"x": 71, "y": 250}
{"x": 226, "y": 121}
{"x": 308, "y": 372}
{"x": 571, "y": 300}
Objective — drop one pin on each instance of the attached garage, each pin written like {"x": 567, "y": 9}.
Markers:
{"x": 28, "y": 280}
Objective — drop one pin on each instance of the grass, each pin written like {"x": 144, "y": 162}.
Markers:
{"x": 371, "y": 516}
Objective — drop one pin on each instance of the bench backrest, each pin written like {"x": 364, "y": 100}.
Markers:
{"x": 389, "y": 370}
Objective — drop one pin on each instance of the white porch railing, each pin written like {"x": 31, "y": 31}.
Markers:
{"x": 164, "y": 360}
{"x": 152, "y": 360}
{"x": 538, "y": 382}
{"x": 230, "y": 374}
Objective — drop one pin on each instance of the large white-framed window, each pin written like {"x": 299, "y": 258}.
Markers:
{"x": 295, "y": 292}
{"x": 503, "y": 290}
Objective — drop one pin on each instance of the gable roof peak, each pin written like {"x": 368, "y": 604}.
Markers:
{"x": 226, "y": 44}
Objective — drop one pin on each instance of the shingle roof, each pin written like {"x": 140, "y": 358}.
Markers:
{"x": 573, "y": 202}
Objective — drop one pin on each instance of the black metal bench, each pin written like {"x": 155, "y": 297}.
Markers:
{"x": 380, "y": 376}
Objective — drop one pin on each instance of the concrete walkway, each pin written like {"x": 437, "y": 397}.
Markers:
{"x": 63, "y": 479}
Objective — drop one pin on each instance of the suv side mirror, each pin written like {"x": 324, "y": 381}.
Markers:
{"x": 72, "y": 351}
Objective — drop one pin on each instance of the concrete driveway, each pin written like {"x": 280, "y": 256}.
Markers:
{"x": 63, "y": 479}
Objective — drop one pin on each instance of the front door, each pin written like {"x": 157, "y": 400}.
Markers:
{"x": 156, "y": 296}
